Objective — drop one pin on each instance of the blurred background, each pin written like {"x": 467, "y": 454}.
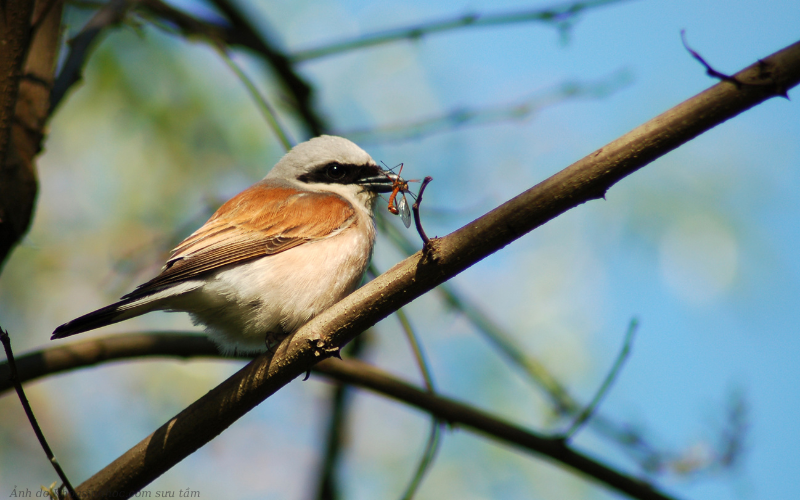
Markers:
{"x": 701, "y": 246}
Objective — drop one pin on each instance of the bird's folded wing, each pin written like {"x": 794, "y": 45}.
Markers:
{"x": 265, "y": 219}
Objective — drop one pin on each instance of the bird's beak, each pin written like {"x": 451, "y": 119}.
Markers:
{"x": 383, "y": 182}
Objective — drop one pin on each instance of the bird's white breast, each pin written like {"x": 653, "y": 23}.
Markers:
{"x": 241, "y": 305}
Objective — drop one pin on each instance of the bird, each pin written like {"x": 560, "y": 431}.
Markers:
{"x": 273, "y": 256}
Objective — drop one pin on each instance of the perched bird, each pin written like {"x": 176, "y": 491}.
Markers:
{"x": 273, "y": 256}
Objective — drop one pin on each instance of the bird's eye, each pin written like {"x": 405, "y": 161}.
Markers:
{"x": 335, "y": 172}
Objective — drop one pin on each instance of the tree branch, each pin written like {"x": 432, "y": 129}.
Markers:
{"x": 558, "y": 14}
{"x": 336, "y": 434}
{"x": 445, "y": 257}
{"x": 131, "y": 346}
{"x": 92, "y": 352}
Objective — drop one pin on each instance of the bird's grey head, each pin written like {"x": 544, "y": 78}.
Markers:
{"x": 332, "y": 163}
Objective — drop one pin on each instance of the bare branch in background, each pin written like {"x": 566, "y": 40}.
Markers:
{"x": 558, "y": 15}
{"x": 465, "y": 117}
{"x": 434, "y": 437}
{"x": 336, "y": 434}
{"x": 588, "y": 412}
{"x": 240, "y": 31}
{"x": 585, "y": 180}
{"x": 119, "y": 347}
{"x": 267, "y": 110}
{"x": 72, "y": 356}
{"x": 14, "y": 379}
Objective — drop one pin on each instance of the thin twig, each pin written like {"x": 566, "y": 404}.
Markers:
{"x": 432, "y": 445}
{"x": 557, "y": 15}
{"x": 428, "y": 455}
{"x": 415, "y": 210}
{"x": 267, "y": 111}
{"x": 328, "y": 484}
{"x": 416, "y": 349}
{"x": 91, "y": 352}
{"x": 14, "y": 379}
{"x": 767, "y": 79}
{"x": 709, "y": 70}
{"x": 587, "y": 412}
{"x": 464, "y": 117}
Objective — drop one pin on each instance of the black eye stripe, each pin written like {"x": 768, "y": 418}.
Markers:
{"x": 338, "y": 173}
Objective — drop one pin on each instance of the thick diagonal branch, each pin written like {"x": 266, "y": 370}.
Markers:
{"x": 585, "y": 180}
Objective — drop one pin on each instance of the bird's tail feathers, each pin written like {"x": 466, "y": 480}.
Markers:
{"x": 114, "y": 313}
{"x": 128, "y": 307}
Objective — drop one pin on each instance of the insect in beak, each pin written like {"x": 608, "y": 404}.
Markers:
{"x": 398, "y": 205}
